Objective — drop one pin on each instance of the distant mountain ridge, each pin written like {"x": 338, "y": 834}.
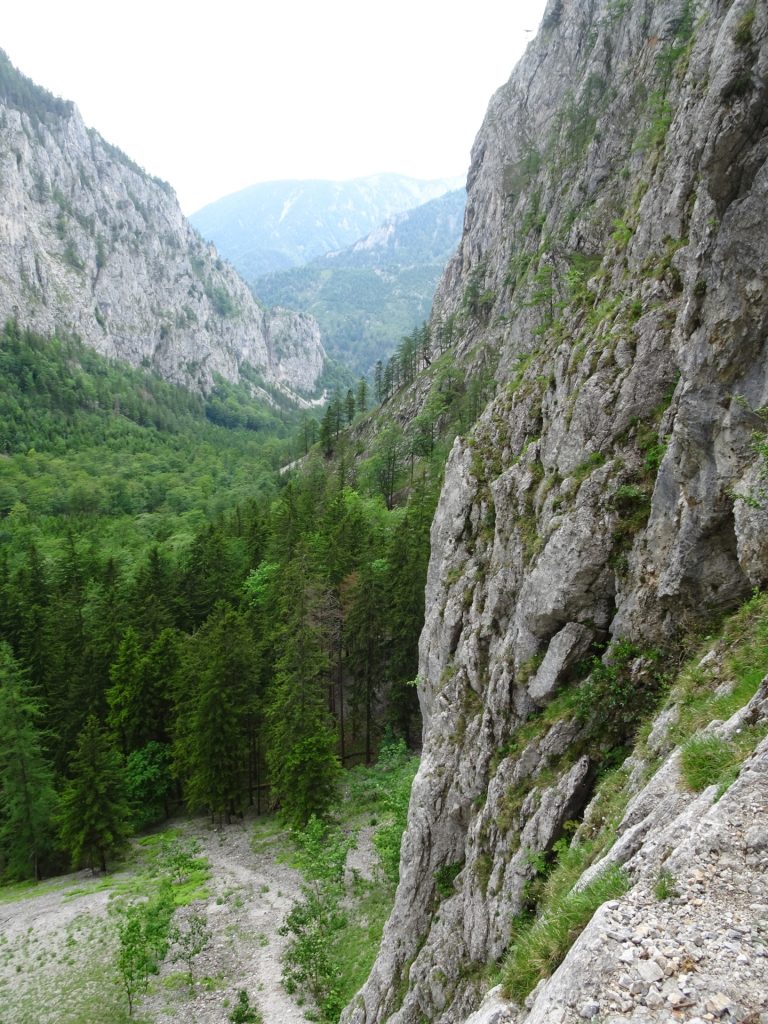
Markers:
{"x": 92, "y": 245}
{"x": 281, "y": 224}
{"x": 428, "y": 233}
{"x": 366, "y": 296}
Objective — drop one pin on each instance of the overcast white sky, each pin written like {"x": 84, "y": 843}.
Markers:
{"x": 214, "y": 97}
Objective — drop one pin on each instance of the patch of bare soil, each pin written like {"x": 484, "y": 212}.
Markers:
{"x": 251, "y": 892}
{"x": 58, "y": 942}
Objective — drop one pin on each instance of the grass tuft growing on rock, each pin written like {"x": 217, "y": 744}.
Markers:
{"x": 710, "y": 760}
{"x": 541, "y": 945}
{"x": 665, "y": 886}
{"x": 704, "y": 760}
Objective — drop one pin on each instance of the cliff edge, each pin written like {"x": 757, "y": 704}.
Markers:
{"x": 610, "y": 503}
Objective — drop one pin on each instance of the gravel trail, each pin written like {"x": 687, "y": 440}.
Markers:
{"x": 57, "y": 942}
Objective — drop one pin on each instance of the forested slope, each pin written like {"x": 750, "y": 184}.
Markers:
{"x": 367, "y": 296}
{"x": 177, "y": 615}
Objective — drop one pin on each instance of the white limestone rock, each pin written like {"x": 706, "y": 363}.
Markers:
{"x": 91, "y": 245}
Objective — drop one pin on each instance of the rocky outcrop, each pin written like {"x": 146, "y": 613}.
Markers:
{"x": 91, "y": 245}
{"x": 690, "y": 936}
{"x": 614, "y": 256}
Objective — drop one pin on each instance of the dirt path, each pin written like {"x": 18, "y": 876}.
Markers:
{"x": 57, "y": 942}
{"x": 251, "y": 892}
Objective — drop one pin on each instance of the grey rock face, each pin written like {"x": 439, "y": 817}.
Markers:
{"x": 611, "y": 492}
{"x": 701, "y": 951}
{"x": 565, "y": 648}
{"x": 91, "y": 245}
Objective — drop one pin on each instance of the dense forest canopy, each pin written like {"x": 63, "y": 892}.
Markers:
{"x": 180, "y": 621}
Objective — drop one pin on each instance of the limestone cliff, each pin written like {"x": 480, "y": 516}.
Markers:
{"x": 615, "y": 257}
{"x": 91, "y": 245}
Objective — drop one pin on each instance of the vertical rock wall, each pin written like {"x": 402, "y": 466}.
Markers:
{"x": 91, "y": 245}
{"x": 615, "y": 254}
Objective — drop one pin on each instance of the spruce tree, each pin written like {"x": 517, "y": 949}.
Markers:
{"x": 32, "y": 601}
{"x": 138, "y": 705}
{"x": 215, "y": 737}
{"x": 27, "y": 796}
{"x": 126, "y": 697}
{"x": 153, "y": 596}
{"x": 301, "y": 739}
{"x": 104, "y": 617}
{"x": 94, "y": 819}
{"x": 366, "y": 642}
{"x": 208, "y": 576}
{"x": 362, "y": 395}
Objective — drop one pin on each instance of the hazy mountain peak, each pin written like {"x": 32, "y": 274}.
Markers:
{"x": 280, "y": 224}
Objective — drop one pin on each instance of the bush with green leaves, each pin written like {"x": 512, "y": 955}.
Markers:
{"x": 189, "y": 937}
{"x": 445, "y": 877}
{"x": 620, "y": 690}
{"x": 313, "y": 922}
{"x": 179, "y": 857}
{"x": 243, "y": 1012}
{"x": 398, "y": 771}
{"x": 149, "y": 783}
{"x": 143, "y": 936}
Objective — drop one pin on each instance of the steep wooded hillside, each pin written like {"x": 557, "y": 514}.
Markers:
{"x": 367, "y": 296}
{"x": 609, "y": 505}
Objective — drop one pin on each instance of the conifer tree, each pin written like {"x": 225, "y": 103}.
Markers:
{"x": 301, "y": 740}
{"x": 27, "y": 796}
{"x": 94, "y": 808}
{"x": 362, "y": 395}
{"x": 126, "y": 697}
{"x": 103, "y": 622}
{"x": 32, "y": 604}
{"x": 161, "y": 666}
{"x": 216, "y": 735}
{"x": 366, "y": 642}
{"x": 137, "y": 699}
{"x": 387, "y": 459}
{"x": 153, "y": 595}
{"x": 67, "y": 614}
{"x": 207, "y": 576}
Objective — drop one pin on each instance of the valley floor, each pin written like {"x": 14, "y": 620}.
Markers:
{"x": 58, "y": 940}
